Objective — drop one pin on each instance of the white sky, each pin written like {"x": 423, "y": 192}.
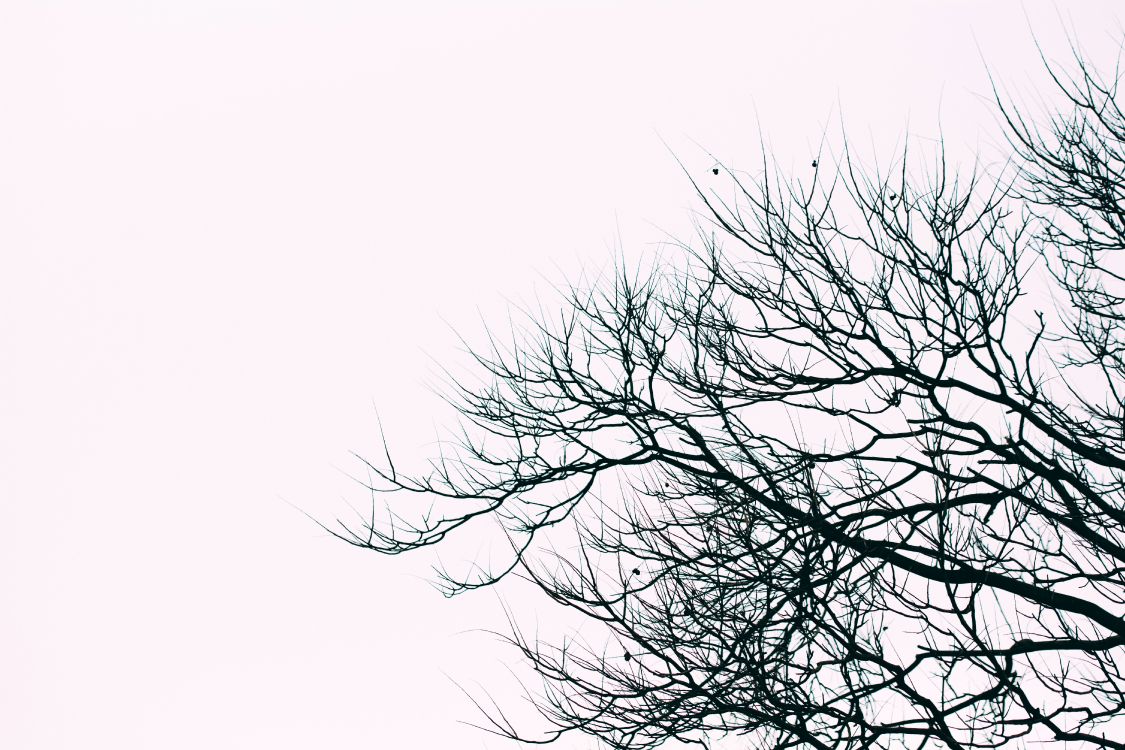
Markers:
{"x": 230, "y": 227}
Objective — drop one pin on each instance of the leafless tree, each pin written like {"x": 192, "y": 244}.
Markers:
{"x": 850, "y": 475}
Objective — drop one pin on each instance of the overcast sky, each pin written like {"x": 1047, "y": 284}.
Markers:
{"x": 229, "y": 229}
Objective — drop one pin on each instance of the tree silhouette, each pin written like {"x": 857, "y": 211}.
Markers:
{"x": 850, "y": 475}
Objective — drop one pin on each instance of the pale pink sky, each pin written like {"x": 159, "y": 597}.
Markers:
{"x": 230, "y": 227}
